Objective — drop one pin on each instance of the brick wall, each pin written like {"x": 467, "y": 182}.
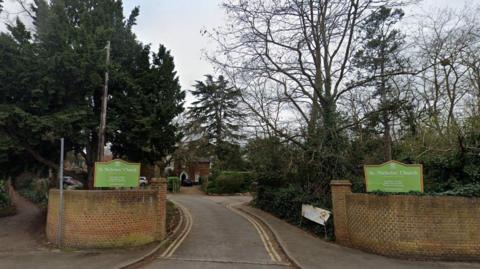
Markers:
{"x": 108, "y": 218}
{"x": 202, "y": 168}
{"x": 409, "y": 226}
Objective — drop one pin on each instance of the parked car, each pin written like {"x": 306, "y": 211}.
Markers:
{"x": 69, "y": 183}
{"x": 143, "y": 181}
{"x": 187, "y": 182}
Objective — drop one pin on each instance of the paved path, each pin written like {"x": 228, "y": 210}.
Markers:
{"x": 219, "y": 237}
{"x": 312, "y": 252}
{"x": 20, "y": 232}
{"x": 22, "y": 245}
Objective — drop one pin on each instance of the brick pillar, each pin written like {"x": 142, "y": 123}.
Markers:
{"x": 340, "y": 188}
{"x": 160, "y": 184}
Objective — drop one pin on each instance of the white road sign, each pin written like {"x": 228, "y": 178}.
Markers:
{"x": 315, "y": 214}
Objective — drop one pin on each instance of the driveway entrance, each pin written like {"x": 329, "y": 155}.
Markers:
{"x": 220, "y": 237}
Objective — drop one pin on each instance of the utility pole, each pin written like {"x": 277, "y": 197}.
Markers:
{"x": 60, "y": 186}
{"x": 103, "y": 114}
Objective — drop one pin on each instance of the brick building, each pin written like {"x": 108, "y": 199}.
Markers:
{"x": 193, "y": 170}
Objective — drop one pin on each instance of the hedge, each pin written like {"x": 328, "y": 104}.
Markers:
{"x": 173, "y": 184}
{"x": 286, "y": 203}
{"x": 6, "y": 206}
{"x": 4, "y": 197}
{"x": 469, "y": 190}
{"x": 228, "y": 182}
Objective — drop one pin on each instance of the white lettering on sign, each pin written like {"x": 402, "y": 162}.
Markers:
{"x": 315, "y": 214}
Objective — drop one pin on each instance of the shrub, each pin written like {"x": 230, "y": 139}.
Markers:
{"x": 4, "y": 197}
{"x": 286, "y": 203}
{"x": 469, "y": 190}
{"x": 229, "y": 183}
{"x": 208, "y": 185}
{"x": 247, "y": 178}
{"x": 36, "y": 192}
{"x": 211, "y": 187}
{"x": 173, "y": 183}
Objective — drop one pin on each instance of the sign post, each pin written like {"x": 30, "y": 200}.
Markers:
{"x": 394, "y": 176}
{"x": 117, "y": 173}
{"x": 317, "y": 215}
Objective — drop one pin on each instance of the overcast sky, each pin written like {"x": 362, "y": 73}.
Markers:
{"x": 177, "y": 25}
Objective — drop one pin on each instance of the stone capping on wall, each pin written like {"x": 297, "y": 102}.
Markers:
{"x": 409, "y": 226}
{"x": 109, "y": 218}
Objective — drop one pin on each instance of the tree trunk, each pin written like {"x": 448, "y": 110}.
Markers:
{"x": 387, "y": 139}
{"x": 312, "y": 124}
{"x": 91, "y": 155}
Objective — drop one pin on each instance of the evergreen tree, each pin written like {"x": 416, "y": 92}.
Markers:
{"x": 215, "y": 115}
{"x": 380, "y": 57}
{"x": 141, "y": 117}
{"x": 51, "y": 82}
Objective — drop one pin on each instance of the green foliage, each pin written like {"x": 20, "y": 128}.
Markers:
{"x": 468, "y": 190}
{"x": 269, "y": 159}
{"x": 286, "y": 203}
{"x": 51, "y": 82}
{"x": 40, "y": 198}
{"x": 450, "y": 160}
{"x": 287, "y": 177}
{"x": 141, "y": 118}
{"x": 383, "y": 193}
{"x": 246, "y": 176}
{"x": 229, "y": 157}
{"x": 379, "y": 57}
{"x": 215, "y": 116}
{"x": 228, "y": 182}
{"x": 173, "y": 183}
{"x": 36, "y": 192}
{"x": 5, "y": 200}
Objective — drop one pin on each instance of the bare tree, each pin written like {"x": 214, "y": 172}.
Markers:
{"x": 303, "y": 49}
{"x": 448, "y": 38}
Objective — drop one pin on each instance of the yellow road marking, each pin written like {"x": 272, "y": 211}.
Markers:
{"x": 177, "y": 242}
{"x": 267, "y": 242}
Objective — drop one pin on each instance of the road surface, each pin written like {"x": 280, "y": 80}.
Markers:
{"x": 220, "y": 237}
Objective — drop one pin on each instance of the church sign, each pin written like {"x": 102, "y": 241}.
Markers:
{"x": 116, "y": 173}
{"x": 394, "y": 176}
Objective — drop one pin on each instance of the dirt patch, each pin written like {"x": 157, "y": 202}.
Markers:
{"x": 8, "y": 211}
{"x": 23, "y": 231}
{"x": 173, "y": 217}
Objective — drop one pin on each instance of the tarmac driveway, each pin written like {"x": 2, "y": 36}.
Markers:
{"x": 218, "y": 238}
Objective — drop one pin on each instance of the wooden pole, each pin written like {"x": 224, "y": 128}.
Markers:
{"x": 103, "y": 114}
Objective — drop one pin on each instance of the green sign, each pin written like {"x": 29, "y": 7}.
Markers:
{"x": 394, "y": 176}
{"x": 116, "y": 173}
